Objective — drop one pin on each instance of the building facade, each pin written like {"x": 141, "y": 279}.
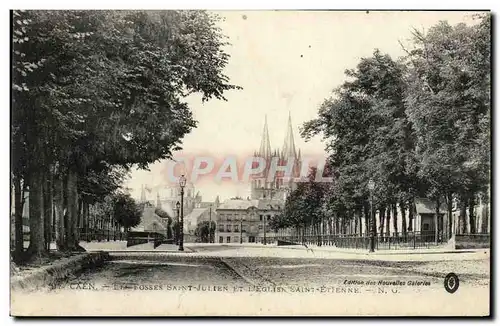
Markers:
{"x": 168, "y": 196}
{"x": 198, "y": 215}
{"x": 246, "y": 220}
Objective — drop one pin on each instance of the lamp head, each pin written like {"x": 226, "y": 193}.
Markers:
{"x": 182, "y": 181}
{"x": 178, "y": 205}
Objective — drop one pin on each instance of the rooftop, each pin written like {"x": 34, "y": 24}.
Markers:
{"x": 239, "y": 204}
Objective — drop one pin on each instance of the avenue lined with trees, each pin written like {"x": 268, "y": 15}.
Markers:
{"x": 94, "y": 94}
{"x": 418, "y": 126}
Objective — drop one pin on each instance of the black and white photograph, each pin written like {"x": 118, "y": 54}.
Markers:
{"x": 250, "y": 163}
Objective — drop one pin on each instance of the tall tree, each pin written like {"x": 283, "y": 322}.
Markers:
{"x": 109, "y": 88}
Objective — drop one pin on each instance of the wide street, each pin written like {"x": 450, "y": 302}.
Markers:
{"x": 289, "y": 269}
{"x": 241, "y": 280}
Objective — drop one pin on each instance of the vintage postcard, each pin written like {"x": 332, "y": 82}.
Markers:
{"x": 250, "y": 163}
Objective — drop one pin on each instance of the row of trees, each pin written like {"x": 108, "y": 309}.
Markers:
{"x": 205, "y": 231}
{"x": 95, "y": 93}
{"x": 105, "y": 219}
{"x": 418, "y": 126}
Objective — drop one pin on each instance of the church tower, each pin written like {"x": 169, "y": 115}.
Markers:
{"x": 259, "y": 183}
{"x": 289, "y": 152}
{"x": 262, "y": 188}
{"x": 158, "y": 201}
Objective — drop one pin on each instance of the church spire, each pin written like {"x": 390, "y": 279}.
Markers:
{"x": 158, "y": 201}
{"x": 289, "y": 144}
{"x": 265, "y": 144}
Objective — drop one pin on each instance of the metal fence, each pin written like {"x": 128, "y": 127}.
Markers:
{"x": 102, "y": 235}
{"x": 396, "y": 241}
{"x": 473, "y": 241}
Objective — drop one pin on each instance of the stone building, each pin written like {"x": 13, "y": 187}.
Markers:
{"x": 151, "y": 222}
{"x": 200, "y": 214}
{"x": 168, "y": 196}
{"x": 248, "y": 219}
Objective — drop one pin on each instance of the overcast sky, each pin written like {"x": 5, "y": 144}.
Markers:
{"x": 285, "y": 61}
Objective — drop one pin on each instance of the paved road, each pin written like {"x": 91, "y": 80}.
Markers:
{"x": 147, "y": 272}
{"x": 209, "y": 282}
{"x": 212, "y": 268}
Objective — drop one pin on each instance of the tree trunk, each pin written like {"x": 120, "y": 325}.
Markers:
{"x": 388, "y": 222}
{"x": 59, "y": 212}
{"x": 484, "y": 216}
{"x": 436, "y": 221}
{"x": 366, "y": 211}
{"x": 360, "y": 222}
{"x": 356, "y": 219}
{"x": 72, "y": 195}
{"x": 410, "y": 215}
{"x": 382, "y": 220}
{"x": 402, "y": 208}
{"x": 395, "y": 218}
{"x": 449, "y": 213}
{"x": 85, "y": 219}
{"x": 47, "y": 204}
{"x": 37, "y": 243}
{"x": 19, "y": 200}
{"x": 462, "y": 217}
{"x": 79, "y": 224}
{"x": 472, "y": 217}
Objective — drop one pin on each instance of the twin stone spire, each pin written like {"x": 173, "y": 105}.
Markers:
{"x": 288, "y": 149}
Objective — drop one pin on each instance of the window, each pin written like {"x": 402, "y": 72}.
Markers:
{"x": 221, "y": 227}
{"x": 221, "y": 239}
{"x": 260, "y": 226}
{"x": 236, "y": 228}
{"x": 243, "y": 228}
{"x": 229, "y": 217}
{"x": 228, "y": 239}
{"x": 228, "y": 228}
{"x": 251, "y": 239}
{"x": 260, "y": 217}
{"x": 236, "y": 239}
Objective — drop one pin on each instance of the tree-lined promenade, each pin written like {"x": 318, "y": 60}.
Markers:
{"x": 418, "y": 126}
{"x": 95, "y": 93}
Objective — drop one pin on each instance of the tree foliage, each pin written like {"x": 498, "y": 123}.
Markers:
{"x": 97, "y": 92}
{"x": 125, "y": 211}
{"x": 418, "y": 126}
{"x": 205, "y": 231}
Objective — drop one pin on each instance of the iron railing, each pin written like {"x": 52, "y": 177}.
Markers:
{"x": 395, "y": 241}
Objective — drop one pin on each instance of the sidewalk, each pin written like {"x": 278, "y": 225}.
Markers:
{"x": 216, "y": 250}
{"x": 120, "y": 246}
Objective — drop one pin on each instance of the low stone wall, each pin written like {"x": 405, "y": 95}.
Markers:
{"x": 472, "y": 241}
{"x": 50, "y": 275}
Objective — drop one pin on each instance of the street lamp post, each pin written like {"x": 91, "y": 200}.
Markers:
{"x": 241, "y": 229}
{"x": 371, "y": 187}
{"x": 182, "y": 184}
{"x": 264, "y": 219}
{"x": 210, "y": 225}
{"x": 178, "y": 207}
